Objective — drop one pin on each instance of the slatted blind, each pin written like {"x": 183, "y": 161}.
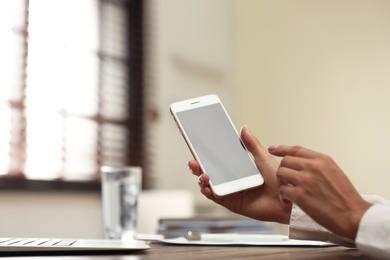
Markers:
{"x": 67, "y": 87}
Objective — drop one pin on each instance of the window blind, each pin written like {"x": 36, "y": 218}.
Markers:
{"x": 70, "y": 88}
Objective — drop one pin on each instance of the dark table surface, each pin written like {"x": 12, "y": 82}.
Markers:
{"x": 164, "y": 251}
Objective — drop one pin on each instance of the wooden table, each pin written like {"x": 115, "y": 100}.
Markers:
{"x": 173, "y": 252}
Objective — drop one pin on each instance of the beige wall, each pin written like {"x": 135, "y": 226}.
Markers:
{"x": 50, "y": 214}
{"x": 190, "y": 54}
{"x": 78, "y": 214}
{"x": 317, "y": 73}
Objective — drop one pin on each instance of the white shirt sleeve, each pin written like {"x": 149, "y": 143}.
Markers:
{"x": 373, "y": 237}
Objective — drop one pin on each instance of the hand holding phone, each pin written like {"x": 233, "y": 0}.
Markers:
{"x": 216, "y": 145}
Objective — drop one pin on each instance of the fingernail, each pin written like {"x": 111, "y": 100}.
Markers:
{"x": 272, "y": 148}
{"x": 200, "y": 181}
{"x": 247, "y": 128}
{"x": 189, "y": 168}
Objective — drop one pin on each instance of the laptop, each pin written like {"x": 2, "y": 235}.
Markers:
{"x": 47, "y": 246}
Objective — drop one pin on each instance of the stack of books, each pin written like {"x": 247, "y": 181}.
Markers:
{"x": 177, "y": 227}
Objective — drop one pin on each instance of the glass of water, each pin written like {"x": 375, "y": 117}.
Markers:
{"x": 120, "y": 189}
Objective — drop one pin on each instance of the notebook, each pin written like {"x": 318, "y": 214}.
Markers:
{"x": 45, "y": 246}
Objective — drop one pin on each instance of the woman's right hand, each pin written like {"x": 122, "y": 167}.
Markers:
{"x": 261, "y": 203}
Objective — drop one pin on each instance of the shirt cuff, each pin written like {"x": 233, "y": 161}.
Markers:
{"x": 374, "y": 230}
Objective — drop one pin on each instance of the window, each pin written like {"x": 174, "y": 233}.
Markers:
{"x": 70, "y": 88}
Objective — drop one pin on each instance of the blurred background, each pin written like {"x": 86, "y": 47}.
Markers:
{"x": 88, "y": 83}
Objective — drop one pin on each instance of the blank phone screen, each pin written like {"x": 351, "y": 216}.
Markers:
{"x": 216, "y": 144}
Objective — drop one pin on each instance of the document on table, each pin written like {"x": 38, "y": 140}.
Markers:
{"x": 238, "y": 239}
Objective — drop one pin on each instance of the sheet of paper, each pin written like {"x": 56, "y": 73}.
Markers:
{"x": 245, "y": 239}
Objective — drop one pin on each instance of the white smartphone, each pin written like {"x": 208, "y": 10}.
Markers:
{"x": 216, "y": 145}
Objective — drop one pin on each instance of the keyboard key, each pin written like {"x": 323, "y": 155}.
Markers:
{"x": 65, "y": 242}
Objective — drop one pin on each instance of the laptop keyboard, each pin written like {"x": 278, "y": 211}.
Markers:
{"x": 36, "y": 242}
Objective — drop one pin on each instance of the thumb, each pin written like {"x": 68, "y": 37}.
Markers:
{"x": 252, "y": 144}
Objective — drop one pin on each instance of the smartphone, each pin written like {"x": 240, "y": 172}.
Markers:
{"x": 216, "y": 145}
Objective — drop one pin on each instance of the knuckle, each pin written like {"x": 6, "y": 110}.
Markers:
{"x": 286, "y": 160}
{"x": 314, "y": 166}
{"x": 296, "y": 149}
{"x": 280, "y": 173}
{"x": 327, "y": 159}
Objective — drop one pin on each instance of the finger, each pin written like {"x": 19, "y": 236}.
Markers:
{"x": 206, "y": 191}
{"x": 204, "y": 180}
{"x": 296, "y": 151}
{"x": 296, "y": 163}
{"x": 204, "y": 185}
{"x": 194, "y": 167}
{"x": 288, "y": 193}
{"x": 252, "y": 144}
{"x": 288, "y": 176}
{"x": 284, "y": 200}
